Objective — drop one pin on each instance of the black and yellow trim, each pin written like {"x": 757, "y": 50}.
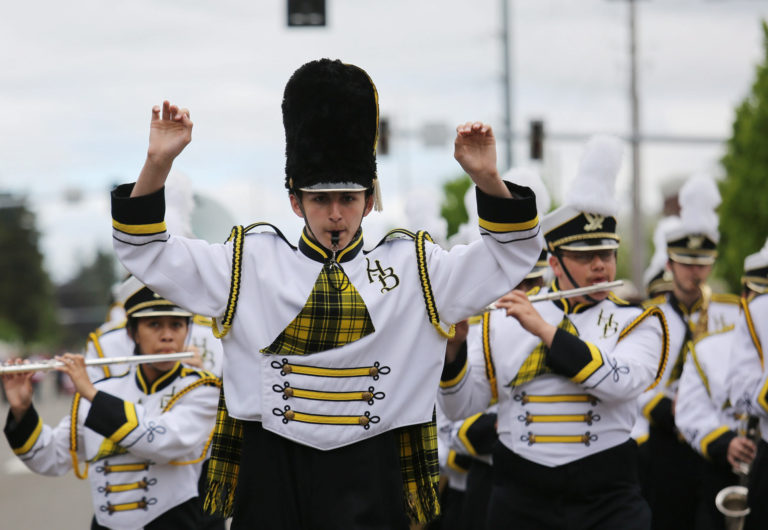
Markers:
{"x": 236, "y": 236}
{"x": 524, "y": 398}
{"x": 490, "y": 369}
{"x": 753, "y": 331}
{"x": 453, "y": 378}
{"x": 288, "y": 391}
{"x": 762, "y": 397}
{"x": 458, "y": 462}
{"x": 111, "y": 417}
{"x": 26, "y": 433}
{"x": 315, "y": 251}
{"x": 161, "y": 382}
{"x": 140, "y": 216}
{"x": 94, "y": 338}
{"x": 128, "y": 506}
{"x": 587, "y": 438}
{"x": 587, "y": 418}
{"x": 658, "y": 313}
{"x": 651, "y": 404}
{"x": 711, "y": 437}
{"x": 426, "y": 287}
{"x": 501, "y": 214}
{"x": 373, "y": 371}
{"x": 73, "y": 448}
{"x": 463, "y": 436}
{"x": 365, "y": 420}
{"x": 573, "y": 357}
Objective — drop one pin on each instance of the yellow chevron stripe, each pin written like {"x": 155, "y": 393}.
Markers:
{"x": 139, "y": 230}
{"x": 508, "y": 227}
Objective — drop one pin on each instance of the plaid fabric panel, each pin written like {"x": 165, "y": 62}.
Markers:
{"x": 420, "y": 470}
{"x": 224, "y": 463}
{"x": 534, "y": 364}
{"x": 334, "y": 315}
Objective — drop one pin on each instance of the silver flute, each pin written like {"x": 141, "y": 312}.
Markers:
{"x": 46, "y": 366}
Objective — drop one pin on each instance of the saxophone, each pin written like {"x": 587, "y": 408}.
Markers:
{"x": 731, "y": 501}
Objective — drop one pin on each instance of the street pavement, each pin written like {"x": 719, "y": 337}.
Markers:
{"x": 29, "y": 501}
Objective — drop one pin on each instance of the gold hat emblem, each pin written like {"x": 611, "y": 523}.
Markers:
{"x": 594, "y": 222}
{"x": 695, "y": 242}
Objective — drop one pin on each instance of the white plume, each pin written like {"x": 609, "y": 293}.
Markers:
{"x": 529, "y": 177}
{"x": 593, "y": 188}
{"x": 659, "y": 259}
{"x": 699, "y": 197}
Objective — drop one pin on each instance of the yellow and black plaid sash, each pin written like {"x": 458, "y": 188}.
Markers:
{"x": 334, "y": 315}
{"x": 534, "y": 364}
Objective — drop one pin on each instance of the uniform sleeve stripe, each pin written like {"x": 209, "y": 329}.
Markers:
{"x": 490, "y": 369}
{"x": 652, "y": 404}
{"x": 508, "y": 227}
{"x": 140, "y": 230}
{"x": 131, "y": 422}
{"x": 591, "y": 367}
{"x": 463, "y": 433}
{"x": 30, "y": 442}
{"x": 761, "y": 397}
{"x": 520, "y": 209}
{"x": 711, "y": 437}
{"x": 448, "y": 383}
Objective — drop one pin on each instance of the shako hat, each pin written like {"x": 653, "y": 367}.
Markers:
{"x": 587, "y": 218}
{"x": 146, "y": 303}
{"x": 657, "y": 278}
{"x": 331, "y": 120}
{"x": 694, "y": 240}
{"x": 756, "y": 271}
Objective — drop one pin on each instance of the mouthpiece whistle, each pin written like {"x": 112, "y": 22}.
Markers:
{"x": 334, "y": 240}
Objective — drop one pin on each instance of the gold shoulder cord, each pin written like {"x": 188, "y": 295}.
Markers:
{"x": 426, "y": 287}
{"x": 236, "y": 237}
{"x": 73, "y": 439}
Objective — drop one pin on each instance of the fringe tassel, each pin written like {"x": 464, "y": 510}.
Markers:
{"x": 377, "y": 204}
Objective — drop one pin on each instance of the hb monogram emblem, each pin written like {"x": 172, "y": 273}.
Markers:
{"x": 387, "y": 277}
{"x": 695, "y": 241}
{"x": 594, "y": 222}
{"x": 609, "y": 325}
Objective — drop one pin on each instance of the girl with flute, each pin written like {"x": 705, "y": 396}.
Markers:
{"x": 566, "y": 374}
{"x": 140, "y": 438}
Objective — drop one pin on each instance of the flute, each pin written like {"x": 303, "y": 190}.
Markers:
{"x": 570, "y": 293}
{"x": 46, "y": 366}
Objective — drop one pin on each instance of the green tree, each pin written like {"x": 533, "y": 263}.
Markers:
{"x": 453, "y": 209}
{"x": 744, "y": 210}
{"x": 26, "y": 294}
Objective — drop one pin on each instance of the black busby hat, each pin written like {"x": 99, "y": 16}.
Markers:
{"x": 146, "y": 303}
{"x": 331, "y": 120}
{"x": 587, "y": 219}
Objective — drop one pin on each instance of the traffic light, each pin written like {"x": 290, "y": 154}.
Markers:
{"x": 383, "y": 146}
{"x": 306, "y": 13}
{"x": 537, "y": 139}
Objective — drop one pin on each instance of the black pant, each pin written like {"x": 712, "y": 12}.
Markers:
{"x": 672, "y": 479}
{"x": 288, "y": 486}
{"x": 600, "y": 491}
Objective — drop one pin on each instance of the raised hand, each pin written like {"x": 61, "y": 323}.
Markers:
{"x": 475, "y": 150}
{"x": 170, "y": 130}
{"x": 18, "y": 390}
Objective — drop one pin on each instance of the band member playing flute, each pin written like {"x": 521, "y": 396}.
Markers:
{"x": 140, "y": 438}
{"x": 567, "y": 373}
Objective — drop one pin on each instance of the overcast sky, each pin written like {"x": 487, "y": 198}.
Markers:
{"x": 78, "y": 79}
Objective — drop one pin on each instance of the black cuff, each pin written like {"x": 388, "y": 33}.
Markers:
{"x": 142, "y": 210}
{"x": 453, "y": 369}
{"x": 482, "y": 433}
{"x": 519, "y": 209}
{"x": 568, "y": 354}
{"x": 661, "y": 415}
{"x": 107, "y": 415}
{"x": 17, "y": 433}
{"x": 718, "y": 449}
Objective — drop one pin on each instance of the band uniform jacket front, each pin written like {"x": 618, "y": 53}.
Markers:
{"x": 141, "y": 446}
{"x": 603, "y": 356}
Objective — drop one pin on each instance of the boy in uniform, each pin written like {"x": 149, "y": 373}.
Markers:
{"x": 566, "y": 375}
{"x": 332, "y": 354}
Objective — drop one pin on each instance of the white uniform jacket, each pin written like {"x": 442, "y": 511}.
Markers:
{"x": 748, "y": 376}
{"x": 384, "y": 380}
{"x": 703, "y": 412}
{"x": 722, "y": 313}
{"x": 141, "y": 446}
{"x": 578, "y": 398}
{"x": 115, "y": 342}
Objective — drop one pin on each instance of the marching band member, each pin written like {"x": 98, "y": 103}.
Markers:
{"x": 140, "y": 438}
{"x": 670, "y": 465}
{"x": 567, "y": 373}
{"x": 748, "y": 380}
{"x": 331, "y": 365}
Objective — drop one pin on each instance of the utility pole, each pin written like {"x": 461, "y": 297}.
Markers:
{"x": 638, "y": 240}
{"x": 507, "y": 82}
